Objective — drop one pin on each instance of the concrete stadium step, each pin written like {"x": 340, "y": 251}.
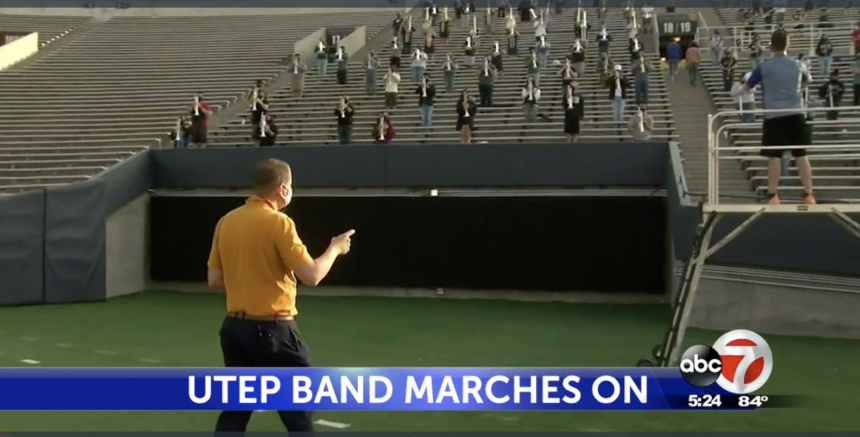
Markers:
{"x": 56, "y": 162}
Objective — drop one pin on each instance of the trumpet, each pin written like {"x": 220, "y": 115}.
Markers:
{"x": 254, "y": 95}
{"x": 633, "y": 20}
{"x": 178, "y": 129}
{"x": 394, "y": 44}
{"x": 409, "y": 25}
{"x": 530, "y": 91}
{"x": 533, "y": 14}
{"x": 426, "y": 14}
{"x": 642, "y": 65}
{"x": 434, "y": 10}
{"x": 320, "y": 46}
{"x": 340, "y": 53}
{"x": 584, "y": 25}
{"x": 496, "y": 49}
{"x": 424, "y": 87}
{"x": 543, "y": 40}
{"x": 475, "y": 25}
{"x": 295, "y": 67}
{"x": 486, "y": 66}
{"x": 196, "y": 105}
{"x": 468, "y": 42}
{"x": 342, "y": 107}
{"x": 466, "y": 107}
{"x": 641, "y": 115}
{"x": 570, "y": 97}
{"x": 534, "y": 60}
{"x": 381, "y": 128}
{"x": 577, "y": 46}
{"x": 567, "y": 69}
{"x": 636, "y": 46}
{"x": 264, "y": 126}
{"x": 416, "y": 54}
{"x": 617, "y": 81}
{"x": 445, "y": 14}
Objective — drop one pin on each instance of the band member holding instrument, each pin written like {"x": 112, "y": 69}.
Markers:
{"x": 426, "y": 93}
{"x": 470, "y": 46}
{"x": 392, "y": 84}
{"x": 635, "y": 47}
{"x": 419, "y": 65}
{"x": 510, "y": 22}
{"x": 497, "y": 59}
{"x": 200, "y": 113}
{"x": 342, "y": 60}
{"x": 488, "y": 21}
{"x": 486, "y": 80}
{"x": 567, "y": 74}
{"x": 531, "y": 96}
{"x": 513, "y": 43}
{"x": 371, "y": 64}
{"x": 533, "y": 66}
{"x": 406, "y": 35}
{"x": 259, "y": 109}
{"x": 383, "y": 130}
{"x": 396, "y": 53}
{"x": 298, "y": 69}
{"x": 180, "y": 134}
{"x": 581, "y": 26}
{"x": 540, "y": 28}
{"x": 322, "y": 56}
{"x": 577, "y": 58}
{"x": 647, "y": 19}
{"x": 430, "y": 43}
{"x": 604, "y": 40}
{"x": 831, "y": 92}
{"x": 434, "y": 14}
{"x": 641, "y": 125}
{"x": 344, "y": 113}
{"x": 445, "y": 25}
{"x": 618, "y": 86}
{"x": 574, "y": 111}
{"x": 449, "y": 70}
{"x": 641, "y": 71}
{"x": 542, "y": 48}
{"x": 268, "y": 131}
{"x": 466, "y": 111}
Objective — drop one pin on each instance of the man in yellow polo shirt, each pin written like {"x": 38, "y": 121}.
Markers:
{"x": 256, "y": 257}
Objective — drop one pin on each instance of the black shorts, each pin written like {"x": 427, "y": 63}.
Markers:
{"x": 789, "y": 130}
{"x": 198, "y": 135}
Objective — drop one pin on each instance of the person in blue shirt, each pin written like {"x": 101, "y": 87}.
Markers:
{"x": 782, "y": 80}
{"x": 673, "y": 57}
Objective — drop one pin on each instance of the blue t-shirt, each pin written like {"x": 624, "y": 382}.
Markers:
{"x": 673, "y": 51}
{"x": 781, "y": 80}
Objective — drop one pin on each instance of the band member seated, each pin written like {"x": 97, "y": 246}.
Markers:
{"x": 321, "y": 51}
{"x": 574, "y": 111}
{"x": 297, "y": 81}
{"x": 383, "y": 130}
{"x": 445, "y": 25}
{"x": 342, "y": 65}
{"x": 531, "y": 96}
{"x": 567, "y": 74}
{"x": 470, "y": 47}
{"x": 449, "y": 70}
{"x": 180, "y": 134}
{"x": 200, "y": 114}
{"x": 268, "y": 131}
{"x": 259, "y": 107}
{"x": 430, "y": 43}
{"x": 392, "y": 84}
{"x": 513, "y": 43}
{"x": 344, "y": 113}
{"x": 486, "y": 82}
{"x": 466, "y": 111}
{"x": 396, "y": 53}
{"x": 426, "y": 93}
{"x": 641, "y": 125}
{"x": 497, "y": 59}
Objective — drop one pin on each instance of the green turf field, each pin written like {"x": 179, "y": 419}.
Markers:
{"x": 173, "y": 329}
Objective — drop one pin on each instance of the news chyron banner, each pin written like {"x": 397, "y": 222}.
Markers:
{"x": 718, "y": 377}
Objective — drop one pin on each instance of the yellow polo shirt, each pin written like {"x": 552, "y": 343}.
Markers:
{"x": 257, "y": 249}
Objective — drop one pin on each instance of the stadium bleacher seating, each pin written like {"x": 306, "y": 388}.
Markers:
{"x": 50, "y": 28}
{"x": 119, "y": 87}
{"x": 311, "y": 120}
{"x": 834, "y": 177}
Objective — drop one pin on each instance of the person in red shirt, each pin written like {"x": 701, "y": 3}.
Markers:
{"x": 383, "y": 130}
{"x": 200, "y": 113}
{"x": 855, "y": 37}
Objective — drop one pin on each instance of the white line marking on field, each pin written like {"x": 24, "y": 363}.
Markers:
{"x": 64, "y": 345}
{"x": 104, "y": 352}
{"x": 149, "y": 360}
{"x": 29, "y": 361}
{"x": 29, "y": 338}
{"x": 337, "y": 425}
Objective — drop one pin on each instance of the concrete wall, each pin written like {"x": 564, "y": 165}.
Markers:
{"x": 18, "y": 50}
{"x": 127, "y": 248}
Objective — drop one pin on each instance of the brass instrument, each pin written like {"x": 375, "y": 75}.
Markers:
{"x": 178, "y": 129}
{"x": 543, "y": 40}
{"x": 486, "y": 66}
{"x": 448, "y": 65}
{"x": 641, "y": 115}
{"x": 466, "y": 107}
{"x": 395, "y": 46}
{"x": 381, "y": 128}
{"x": 342, "y": 107}
{"x": 584, "y": 25}
{"x": 424, "y": 87}
{"x": 340, "y": 53}
{"x": 570, "y": 97}
{"x": 264, "y": 126}
{"x": 642, "y": 65}
{"x": 534, "y": 60}
{"x": 445, "y": 14}
{"x": 496, "y": 49}
{"x": 428, "y": 21}
{"x": 320, "y": 46}
{"x": 577, "y": 45}
{"x": 567, "y": 69}
{"x": 295, "y": 67}
{"x": 196, "y": 105}
{"x": 468, "y": 42}
{"x": 636, "y": 46}
{"x": 530, "y": 91}
{"x": 369, "y": 61}
{"x": 409, "y": 28}
{"x": 633, "y": 20}
{"x": 604, "y": 34}
{"x": 475, "y": 25}
{"x": 533, "y": 14}
{"x": 254, "y": 95}
{"x": 617, "y": 82}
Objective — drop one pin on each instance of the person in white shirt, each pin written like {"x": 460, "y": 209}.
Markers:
{"x": 419, "y": 65}
{"x": 744, "y": 99}
{"x": 716, "y": 44}
{"x": 392, "y": 83}
{"x": 540, "y": 29}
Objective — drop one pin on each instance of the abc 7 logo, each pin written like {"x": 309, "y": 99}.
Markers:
{"x": 740, "y": 362}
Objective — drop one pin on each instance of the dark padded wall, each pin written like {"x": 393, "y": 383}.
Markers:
{"x": 495, "y": 243}
{"x": 22, "y": 220}
{"x": 75, "y": 222}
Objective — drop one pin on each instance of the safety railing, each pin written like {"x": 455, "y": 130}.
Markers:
{"x": 718, "y": 124}
{"x": 738, "y": 37}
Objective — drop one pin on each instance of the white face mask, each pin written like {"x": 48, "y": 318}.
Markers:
{"x": 286, "y": 195}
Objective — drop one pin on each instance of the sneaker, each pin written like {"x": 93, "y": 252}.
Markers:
{"x": 808, "y": 199}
